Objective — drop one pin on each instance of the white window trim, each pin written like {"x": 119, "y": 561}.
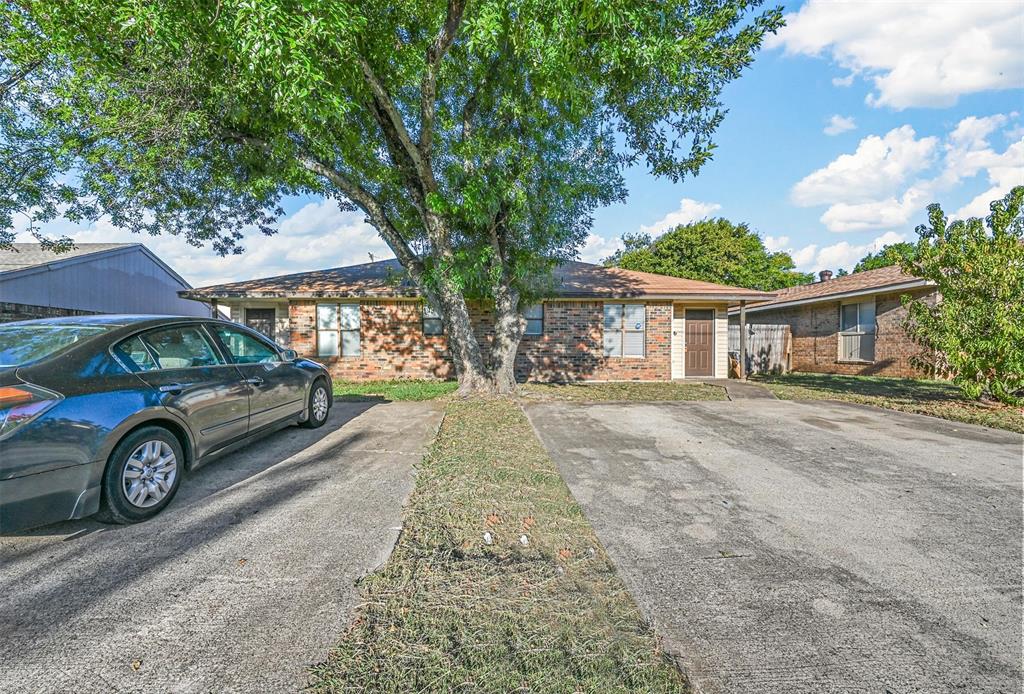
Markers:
{"x": 339, "y": 330}
{"x": 858, "y": 332}
{"x": 622, "y": 331}
{"x": 526, "y": 327}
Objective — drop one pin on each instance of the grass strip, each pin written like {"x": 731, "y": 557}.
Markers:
{"x": 450, "y": 612}
{"x": 616, "y": 391}
{"x": 408, "y": 389}
{"x": 935, "y": 398}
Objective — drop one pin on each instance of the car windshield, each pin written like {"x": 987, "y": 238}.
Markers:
{"x": 23, "y": 344}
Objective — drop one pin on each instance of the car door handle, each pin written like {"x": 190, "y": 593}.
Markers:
{"x": 173, "y": 387}
{"x": 256, "y": 381}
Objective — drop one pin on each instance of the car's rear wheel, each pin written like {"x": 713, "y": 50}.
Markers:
{"x": 142, "y": 475}
{"x": 319, "y": 406}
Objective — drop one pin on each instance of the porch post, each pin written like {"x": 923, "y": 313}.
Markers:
{"x": 743, "y": 340}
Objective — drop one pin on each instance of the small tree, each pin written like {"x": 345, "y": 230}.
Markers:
{"x": 893, "y": 254}
{"x": 978, "y": 322}
{"x": 711, "y": 250}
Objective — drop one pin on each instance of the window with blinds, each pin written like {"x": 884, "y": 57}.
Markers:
{"x": 625, "y": 330}
{"x": 534, "y": 319}
{"x": 857, "y": 331}
{"x": 337, "y": 330}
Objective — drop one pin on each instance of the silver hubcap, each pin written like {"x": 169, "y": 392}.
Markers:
{"x": 320, "y": 403}
{"x": 149, "y": 474}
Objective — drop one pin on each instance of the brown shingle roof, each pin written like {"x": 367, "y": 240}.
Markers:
{"x": 386, "y": 278}
{"x": 856, "y": 282}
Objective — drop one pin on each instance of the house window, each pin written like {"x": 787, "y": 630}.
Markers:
{"x": 534, "y": 319}
{"x": 432, "y": 324}
{"x": 625, "y": 330}
{"x": 857, "y": 331}
{"x": 337, "y": 330}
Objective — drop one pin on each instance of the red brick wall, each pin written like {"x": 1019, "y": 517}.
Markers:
{"x": 393, "y": 344}
{"x": 815, "y": 329}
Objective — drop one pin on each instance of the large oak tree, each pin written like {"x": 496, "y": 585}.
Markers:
{"x": 477, "y": 135}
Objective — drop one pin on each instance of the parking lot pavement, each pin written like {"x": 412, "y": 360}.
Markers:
{"x": 807, "y": 547}
{"x": 244, "y": 581}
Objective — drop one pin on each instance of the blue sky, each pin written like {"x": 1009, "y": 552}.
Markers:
{"x": 924, "y": 100}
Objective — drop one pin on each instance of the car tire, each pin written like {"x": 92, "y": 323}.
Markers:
{"x": 142, "y": 475}
{"x": 318, "y": 406}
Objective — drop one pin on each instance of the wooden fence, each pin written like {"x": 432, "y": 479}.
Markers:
{"x": 769, "y": 347}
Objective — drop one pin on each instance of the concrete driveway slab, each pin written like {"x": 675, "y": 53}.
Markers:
{"x": 808, "y": 547}
{"x": 239, "y": 585}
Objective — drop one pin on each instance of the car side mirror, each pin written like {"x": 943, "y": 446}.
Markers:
{"x": 289, "y": 355}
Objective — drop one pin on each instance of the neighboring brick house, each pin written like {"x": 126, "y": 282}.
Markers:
{"x": 851, "y": 325}
{"x": 369, "y": 322}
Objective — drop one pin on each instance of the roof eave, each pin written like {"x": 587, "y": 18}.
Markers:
{"x": 887, "y": 289}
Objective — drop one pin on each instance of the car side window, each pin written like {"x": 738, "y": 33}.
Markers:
{"x": 244, "y": 347}
{"x": 134, "y": 351}
{"x": 181, "y": 347}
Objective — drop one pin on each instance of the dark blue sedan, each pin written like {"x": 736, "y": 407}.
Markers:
{"x": 106, "y": 413}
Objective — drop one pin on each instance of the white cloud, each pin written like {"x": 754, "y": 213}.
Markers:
{"x": 1004, "y": 172}
{"x": 889, "y": 181}
{"x": 812, "y": 258}
{"x": 597, "y": 248}
{"x": 689, "y": 211}
{"x": 839, "y": 124}
{"x": 877, "y": 166}
{"x": 319, "y": 235}
{"x": 775, "y": 243}
{"x": 915, "y": 53}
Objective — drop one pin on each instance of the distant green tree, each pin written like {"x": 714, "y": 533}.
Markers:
{"x": 978, "y": 269}
{"x": 842, "y": 272}
{"x": 892, "y": 254}
{"x": 711, "y": 250}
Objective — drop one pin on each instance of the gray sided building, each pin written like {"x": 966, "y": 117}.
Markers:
{"x": 93, "y": 278}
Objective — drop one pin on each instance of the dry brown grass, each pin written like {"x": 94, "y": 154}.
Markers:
{"x": 449, "y": 612}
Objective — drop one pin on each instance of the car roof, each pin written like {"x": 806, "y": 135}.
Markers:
{"x": 109, "y": 320}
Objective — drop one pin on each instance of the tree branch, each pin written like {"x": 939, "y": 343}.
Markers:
{"x": 17, "y": 76}
{"x": 394, "y": 118}
{"x": 359, "y": 195}
{"x": 428, "y": 88}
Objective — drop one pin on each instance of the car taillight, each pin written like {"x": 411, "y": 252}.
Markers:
{"x": 22, "y": 403}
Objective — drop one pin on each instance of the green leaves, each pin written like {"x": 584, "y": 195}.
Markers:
{"x": 711, "y": 250}
{"x": 976, "y": 331}
{"x": 197, "y": 118}
{"x": 893, "y": 254}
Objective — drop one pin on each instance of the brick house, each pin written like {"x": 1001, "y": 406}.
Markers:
{"x": 851, "y": 325}
{"x": 605, "y": 324}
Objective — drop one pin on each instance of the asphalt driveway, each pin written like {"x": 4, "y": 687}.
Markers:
{"x": 808, "y": 547}
{"x": 241, "y": 584}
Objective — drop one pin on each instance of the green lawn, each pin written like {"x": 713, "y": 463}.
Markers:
{"x": 450, "y": 612}
{"x": 604, "y": 392}
{"x": 394, "y": 390}
{"x": 935, "y": 398}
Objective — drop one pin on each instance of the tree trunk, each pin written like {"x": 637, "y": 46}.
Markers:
{"x": 462, "y": 343}
{"x": 508, "y": 331}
